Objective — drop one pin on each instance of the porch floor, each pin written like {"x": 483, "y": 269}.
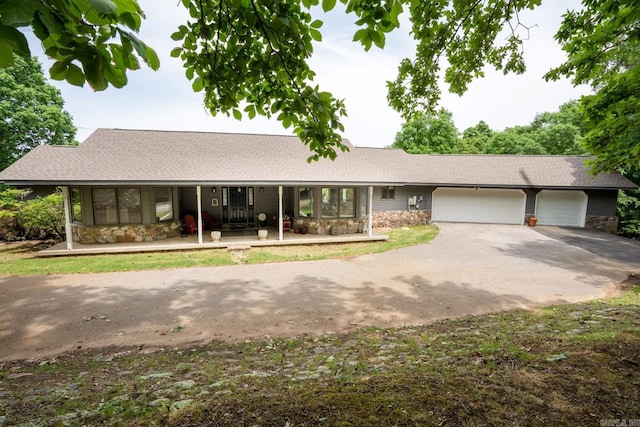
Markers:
{"x": 191, "y": 243}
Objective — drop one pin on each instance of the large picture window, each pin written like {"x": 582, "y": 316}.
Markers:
{"x": 164, "y": 203}
{"x": 338, "y": 202}
{"x": 116, "y": 206}
{"x": 305, "y": 202}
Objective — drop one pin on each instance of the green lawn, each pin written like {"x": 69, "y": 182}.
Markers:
{"x": 21, "y": 259}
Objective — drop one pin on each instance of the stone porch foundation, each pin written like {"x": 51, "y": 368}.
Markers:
{"x": 330, "y": 226}
{"x": 125, "y": 233}
{"x": 393, "y": 219}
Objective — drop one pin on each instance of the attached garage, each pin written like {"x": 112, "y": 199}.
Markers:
{"x": 481, "y": 205}
{"x": 561, "y": 207}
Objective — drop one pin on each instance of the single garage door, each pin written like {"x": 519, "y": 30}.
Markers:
{"x": 561, "y": 207}
{"x": 484, "y": 205}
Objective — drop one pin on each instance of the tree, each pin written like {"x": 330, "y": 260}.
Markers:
{"x": 560, "y": 132}
{"x": 31, "y": 112}
{"x": 80, "y": 36}
{"x": 474, "y": 139}
{"x": 513, "y": 141}
{"x": 602, "y": 43}
{"x": 629, "y": 206}
{"x": 428, "y": 134}
{"x": 249, "y": 57}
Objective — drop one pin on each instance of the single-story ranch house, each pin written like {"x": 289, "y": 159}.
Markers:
{"x": 138, "y": 185}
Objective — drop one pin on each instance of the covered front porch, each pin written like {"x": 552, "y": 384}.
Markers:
{"x": 153, "y": 216}
{"x": 193, "y": 242}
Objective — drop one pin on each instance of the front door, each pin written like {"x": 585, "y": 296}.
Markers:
{"x": 240, "y": 205}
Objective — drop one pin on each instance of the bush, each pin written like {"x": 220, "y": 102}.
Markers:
{"x": 629, "y": 206}
{"x": 40, "y": 218}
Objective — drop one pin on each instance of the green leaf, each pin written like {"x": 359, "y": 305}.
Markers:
{"x": 197, "y": 84}
{"x": 94, "y": 73}
{"x": 15, "y": 40}
{"x": 58, "y": 70}
{"x": 107, "y": 7}
{"x": 177, "y": 36}
{"x": 144, "y": 51}
{"x": 75, "y": 76}
{"x": 316, "y": 24}
{"x": 315, "y": 34}
{"x": 16, "y": 12}
{"x": 151, "y": 58}
{"x": 131, "y": 20}
{"x": 328, "y": 5}
{"x": 237, "y": 114}
{"x": 175, "y": 52}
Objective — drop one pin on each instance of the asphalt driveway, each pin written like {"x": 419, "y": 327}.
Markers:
{"x": 611, "y": 247}
{"x": 466, "y": 270}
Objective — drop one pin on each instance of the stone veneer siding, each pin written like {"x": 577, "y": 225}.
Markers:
{"x": 393, "y": 219}
{"x": 608, "y": 224}
{"x": 330, "y": 226}
{"x": 125, "y": 233}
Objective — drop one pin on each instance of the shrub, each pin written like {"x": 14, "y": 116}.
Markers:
{"x": 40, "y": 218}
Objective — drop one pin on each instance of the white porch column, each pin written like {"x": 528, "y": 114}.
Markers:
{"x": 199, "y": 203}
{"x": 67, "y": 217}
{"x": 370, "y": 211}
{"x": 280, "y": 215}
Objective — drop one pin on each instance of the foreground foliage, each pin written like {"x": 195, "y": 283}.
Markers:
{"x": 90, "y": 40}
{"x": 250, "y": 57}
{"x": 563, "y": 365}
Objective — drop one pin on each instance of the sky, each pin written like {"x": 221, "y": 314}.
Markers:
{"x": 164, "y": 100}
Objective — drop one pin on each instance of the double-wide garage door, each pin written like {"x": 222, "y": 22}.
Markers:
{"x": 482, "y": 205}
{"x": 507, "y": 206}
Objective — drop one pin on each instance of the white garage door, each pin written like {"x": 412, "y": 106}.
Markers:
{"x": 561, "y": 207}
{"x": 484, "y": 205}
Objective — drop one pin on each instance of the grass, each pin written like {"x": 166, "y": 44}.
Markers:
{"x": 21, "y": 259}
{"x": 562, "y": 365}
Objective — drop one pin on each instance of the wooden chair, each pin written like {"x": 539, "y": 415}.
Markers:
{"x": 286, "y": 225}
{"x": 190, "y": 224}
{"x": 210, "y": 223}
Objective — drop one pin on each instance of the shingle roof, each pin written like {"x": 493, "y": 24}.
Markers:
{"x": 116, "y": 156}
{"x": 512, "y": 171}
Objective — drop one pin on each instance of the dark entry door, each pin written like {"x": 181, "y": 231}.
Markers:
{"x": 238, "y": 204}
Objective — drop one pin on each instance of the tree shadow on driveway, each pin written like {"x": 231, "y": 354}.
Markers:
{"x": 591, "y": 268}
{"x": 45, "y": 315}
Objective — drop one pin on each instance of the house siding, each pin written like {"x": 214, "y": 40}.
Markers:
{"x": 602, "y": 202}
{"x": 530, "y": 207}
{"x": 402, "y": 194}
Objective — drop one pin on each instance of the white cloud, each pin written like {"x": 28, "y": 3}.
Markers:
{"x": 164, "y": 99}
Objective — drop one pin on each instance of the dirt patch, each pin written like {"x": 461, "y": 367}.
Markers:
{"x": 566, "y": 365}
